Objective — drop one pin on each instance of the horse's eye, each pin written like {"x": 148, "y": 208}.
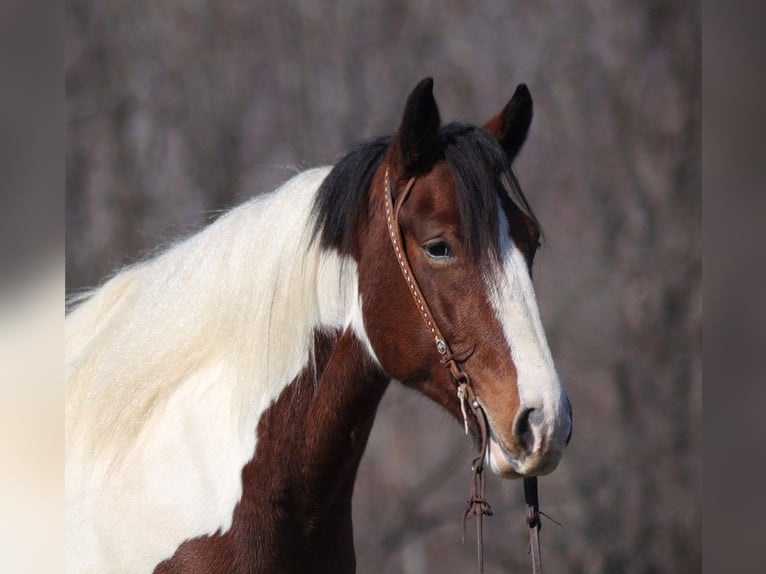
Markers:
{"x": 438, "y": 249}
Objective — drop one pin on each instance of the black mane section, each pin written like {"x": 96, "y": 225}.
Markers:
{"x": 481, "y": 170}
{"x": 345, "y": 193}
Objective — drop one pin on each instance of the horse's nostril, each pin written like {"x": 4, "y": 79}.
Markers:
{"x": 523, "y": 428}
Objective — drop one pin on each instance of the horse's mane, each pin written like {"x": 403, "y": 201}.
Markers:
{"x": 482, "y": 173}
{"x": 238, "y": 301}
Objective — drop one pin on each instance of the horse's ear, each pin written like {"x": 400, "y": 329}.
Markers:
{"x": 417, "y": 143}
{"x": 510, "y": 126}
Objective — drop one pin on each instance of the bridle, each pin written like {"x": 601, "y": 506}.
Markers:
{"x": 477, "y": 502}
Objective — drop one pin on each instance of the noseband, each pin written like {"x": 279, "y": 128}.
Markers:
{"x": 477, "y": 503}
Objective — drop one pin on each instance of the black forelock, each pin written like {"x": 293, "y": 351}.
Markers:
{"x": 478, "y": 164}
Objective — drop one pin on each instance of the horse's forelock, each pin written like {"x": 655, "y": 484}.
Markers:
{"x": 482, "y": 174}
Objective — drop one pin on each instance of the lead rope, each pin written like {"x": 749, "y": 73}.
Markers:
{"x": 477, "y": 503}
{"x": 533, "y": 521}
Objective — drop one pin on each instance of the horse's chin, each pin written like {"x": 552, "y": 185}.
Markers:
{"x": 507, "y": 465}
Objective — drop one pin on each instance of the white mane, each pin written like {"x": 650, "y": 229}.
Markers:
{"x": 170, "y": 364}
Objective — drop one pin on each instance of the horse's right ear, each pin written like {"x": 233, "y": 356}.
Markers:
{"x": 416, "y": 145}
{"x": 511, "y": 125}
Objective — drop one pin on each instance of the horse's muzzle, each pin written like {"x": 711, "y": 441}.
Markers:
{"x": 539, "y": 437}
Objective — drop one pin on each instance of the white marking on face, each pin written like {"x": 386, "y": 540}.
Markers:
{"x": 513, "y": 298}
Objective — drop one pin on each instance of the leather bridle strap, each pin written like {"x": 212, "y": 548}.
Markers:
{"x": 392, "y": 219}
{"x": 477, "y": 503}
{"x": 458, "y": 376}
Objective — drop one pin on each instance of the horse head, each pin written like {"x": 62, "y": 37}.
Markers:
{"x": 469, "y": 238}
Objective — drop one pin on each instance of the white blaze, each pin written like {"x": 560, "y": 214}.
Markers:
{"x": 513, "y": 298}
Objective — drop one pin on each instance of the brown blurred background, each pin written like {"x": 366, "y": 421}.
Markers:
{"x": 180, "y": 109}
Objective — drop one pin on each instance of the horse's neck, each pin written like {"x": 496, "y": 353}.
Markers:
{"x": 296, "y": 501}
{"x": 328, "y": 422}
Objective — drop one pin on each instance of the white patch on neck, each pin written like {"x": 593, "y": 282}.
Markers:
{"x": 214, "y": 329}
{"x": 356, "y": 323}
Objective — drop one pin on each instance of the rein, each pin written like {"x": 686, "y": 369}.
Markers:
{"x": 477, "y": 502}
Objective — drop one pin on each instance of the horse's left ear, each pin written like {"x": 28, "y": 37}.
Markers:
{"x": 510, "y": 126}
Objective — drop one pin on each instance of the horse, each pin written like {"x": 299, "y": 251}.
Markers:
{"x": 220, "y": 394}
